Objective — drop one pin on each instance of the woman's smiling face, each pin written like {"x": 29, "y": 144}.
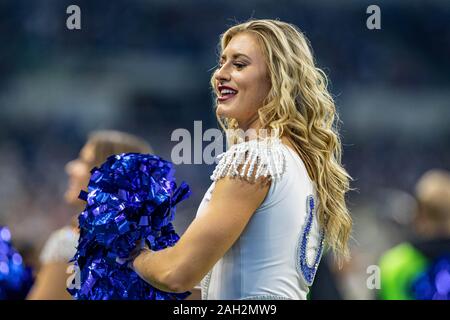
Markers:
{"x": 242, "y": 81}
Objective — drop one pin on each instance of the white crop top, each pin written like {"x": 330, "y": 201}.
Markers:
{"x": 277, "y": 254}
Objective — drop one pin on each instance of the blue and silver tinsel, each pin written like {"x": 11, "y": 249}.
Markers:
{"x": 15, "y": 278}
{"x": 131, "y": 197}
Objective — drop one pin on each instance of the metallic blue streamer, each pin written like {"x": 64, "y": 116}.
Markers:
{"x": 130, "y": 197}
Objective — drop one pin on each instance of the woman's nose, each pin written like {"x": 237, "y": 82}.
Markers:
{"x": 222, "y": 74}
{"x": 70, "y": 166}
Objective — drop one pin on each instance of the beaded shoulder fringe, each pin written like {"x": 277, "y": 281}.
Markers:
{"x": 252, "y": 159}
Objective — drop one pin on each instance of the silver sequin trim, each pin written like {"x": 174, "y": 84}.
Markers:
{"x": 205, "y": 285}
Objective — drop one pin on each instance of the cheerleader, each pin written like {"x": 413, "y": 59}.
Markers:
{"x": 278, "y": 194}
{"x": 61, "y": 245}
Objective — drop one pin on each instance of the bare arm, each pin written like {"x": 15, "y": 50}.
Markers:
{"x": 50, "y": 283}
{"x": 207, "y": 239}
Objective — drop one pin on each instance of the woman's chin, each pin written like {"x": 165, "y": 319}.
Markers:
{"x": 225, "y": 111}
{"x": 71, "y": 198}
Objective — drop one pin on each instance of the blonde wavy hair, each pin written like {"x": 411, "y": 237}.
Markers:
{"x": 300, "y": 106}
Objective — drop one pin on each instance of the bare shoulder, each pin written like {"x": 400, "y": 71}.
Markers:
{"x": 238, "y": 189}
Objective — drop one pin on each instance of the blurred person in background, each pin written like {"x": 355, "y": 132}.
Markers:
{"x": 61, "y": 245}
{"x": 420, "y": 269}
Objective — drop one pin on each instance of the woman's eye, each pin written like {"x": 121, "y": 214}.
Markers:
{"x": 236, "y": 64}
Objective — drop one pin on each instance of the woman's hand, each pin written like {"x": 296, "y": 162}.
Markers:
{"x": 136, "y": 262}
{"x": 155, "y": 268}
{"x": 140, "y": 246}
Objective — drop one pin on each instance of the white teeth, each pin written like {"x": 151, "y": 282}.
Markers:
{"x": 227, "y": 91}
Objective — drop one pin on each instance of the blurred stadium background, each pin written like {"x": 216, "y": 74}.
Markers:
{"x": 144, "y": 66}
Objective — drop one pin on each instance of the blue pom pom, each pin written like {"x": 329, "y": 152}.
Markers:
{"x": 434, "y": 282}
{"x": 131, "y": 197}
{"x": 16, "y": 279}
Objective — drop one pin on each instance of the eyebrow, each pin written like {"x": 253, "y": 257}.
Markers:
{"x": 236, "y": 55}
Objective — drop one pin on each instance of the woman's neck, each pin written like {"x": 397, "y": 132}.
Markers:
{"x": 251, "y": 129}
{"x": 253, "y": 124}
